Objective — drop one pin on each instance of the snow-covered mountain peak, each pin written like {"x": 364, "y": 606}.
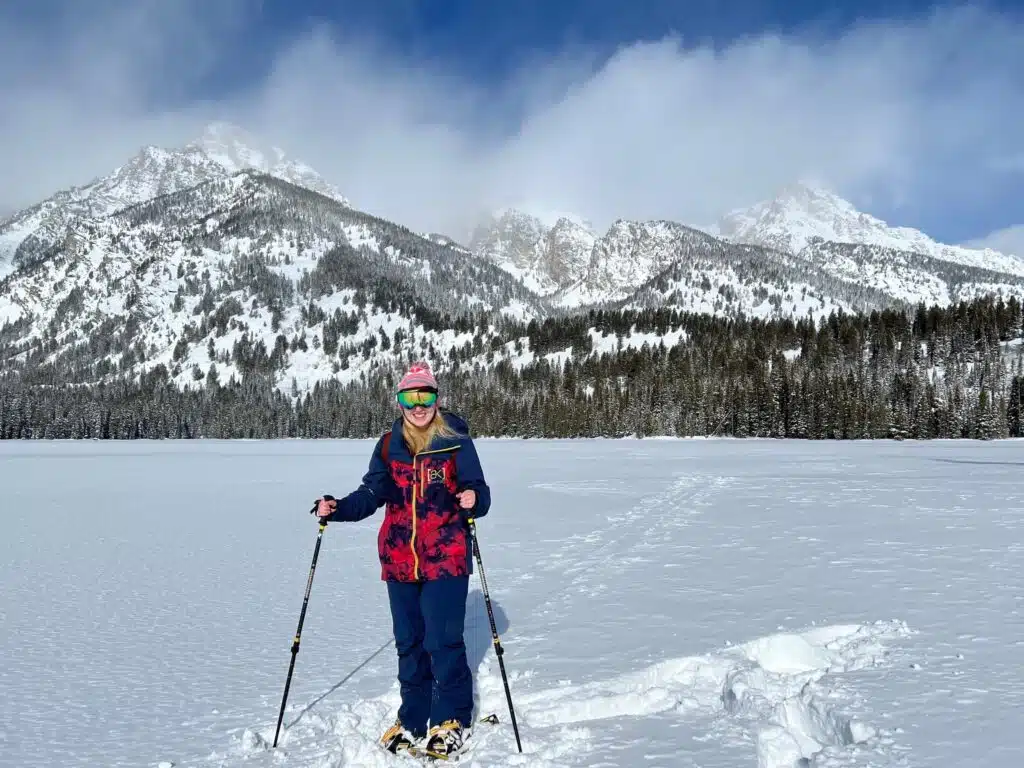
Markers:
{"x": 220, "y": 152}
{"x": 812, "y": 195}
{"x": 803, "y": 215}
{"x": 795, "y": 216}
{"x": 235, "y": 149}
{"x": 545, "y": 250}
{"x": 539, "y": 217}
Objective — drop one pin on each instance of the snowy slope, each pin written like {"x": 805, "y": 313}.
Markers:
{"x": 182, "y": 255}
{"x": 668, "y": 603}
{"x": 563, "y": 259}
{"x": 730, "y": 290}
{"x": 807, "y": 251}
{"x": 627, "y": 256}
{"x": 182, "y": 280}
{"x": 221, "y": 151}
{"x": 913, "y": 277}
{"x": 664, "y": 264}
{"x": 802, "y": 215}
{"x": 1009, "y": 240}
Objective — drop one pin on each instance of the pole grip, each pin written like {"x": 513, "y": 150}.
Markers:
{"x": 316, "y": 506}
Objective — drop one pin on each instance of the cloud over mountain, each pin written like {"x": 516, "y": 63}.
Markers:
{"x": 921, "y": 113}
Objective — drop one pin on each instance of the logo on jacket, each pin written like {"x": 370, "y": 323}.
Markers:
{"x": 437, "y": 475}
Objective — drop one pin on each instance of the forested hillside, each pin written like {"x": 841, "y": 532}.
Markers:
{"x": 951, "y": 372}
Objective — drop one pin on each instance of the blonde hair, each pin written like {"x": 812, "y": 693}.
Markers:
{"x": 418, "y": 440}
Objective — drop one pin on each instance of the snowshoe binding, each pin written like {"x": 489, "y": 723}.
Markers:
{"x": 397, "y": 739}
{"x": 443, "y": 741}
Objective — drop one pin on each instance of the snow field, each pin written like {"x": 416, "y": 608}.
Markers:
{"x": 673, "y": 603}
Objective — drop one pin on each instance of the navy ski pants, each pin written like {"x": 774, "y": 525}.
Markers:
{"x": 429, "y": 620}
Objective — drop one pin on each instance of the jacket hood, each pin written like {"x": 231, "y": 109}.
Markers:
{"x": 457, "y": 423}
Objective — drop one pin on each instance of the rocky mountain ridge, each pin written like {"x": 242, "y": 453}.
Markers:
{"x": 222, "y": 150}
{"x": 220, "y": 260}
{"x": 804, "y": 225}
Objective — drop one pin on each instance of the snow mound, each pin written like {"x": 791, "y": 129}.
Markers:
{"x": 777, "y": 686}
{"x": 779, "y": 693}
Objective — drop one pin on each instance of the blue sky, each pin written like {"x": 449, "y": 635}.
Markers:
{"x": 490, "y": 39}
{"x": 421, "y": 109}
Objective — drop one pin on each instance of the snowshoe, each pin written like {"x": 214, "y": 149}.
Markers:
{"x": 440, "y": 734}
{"x": 397, "y": 739}
{"x": 443, "y": 741}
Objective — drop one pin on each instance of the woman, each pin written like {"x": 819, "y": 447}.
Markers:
{"x": 426, "y": 471}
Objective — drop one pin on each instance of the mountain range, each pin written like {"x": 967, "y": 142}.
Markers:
{"x": 804, "y": 228}
{"x": 223, "y": 257}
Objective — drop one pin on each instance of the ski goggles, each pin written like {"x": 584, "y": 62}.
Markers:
{"x": 410, "y": 398}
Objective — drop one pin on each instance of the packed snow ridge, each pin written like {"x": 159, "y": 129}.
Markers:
{"x": 776, "y": 686}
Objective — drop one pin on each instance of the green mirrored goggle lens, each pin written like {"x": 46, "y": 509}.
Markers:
{"x": 412, "y": 398}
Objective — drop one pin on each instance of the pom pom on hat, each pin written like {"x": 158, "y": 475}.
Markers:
{"x": 418, "y": 377}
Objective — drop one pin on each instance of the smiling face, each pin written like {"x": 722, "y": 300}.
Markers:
{"x": 420, "y": 416}
{"x": 418, "y": 406}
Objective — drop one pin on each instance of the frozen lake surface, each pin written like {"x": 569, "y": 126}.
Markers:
{"x": 713, "y": 603}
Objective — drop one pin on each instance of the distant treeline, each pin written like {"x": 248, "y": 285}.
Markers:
{"x": 935, "y": 373}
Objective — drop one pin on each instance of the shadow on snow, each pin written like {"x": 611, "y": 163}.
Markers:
{"x": 478, "y": 639}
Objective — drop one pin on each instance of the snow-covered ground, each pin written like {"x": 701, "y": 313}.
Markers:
{"x": 713, "y": 603}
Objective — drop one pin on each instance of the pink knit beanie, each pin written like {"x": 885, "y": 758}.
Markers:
{"x": 418, "y": 377}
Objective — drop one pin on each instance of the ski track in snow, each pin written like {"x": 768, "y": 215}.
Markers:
{"x": 720, "y": 604}
{"x": 775, "y": 689}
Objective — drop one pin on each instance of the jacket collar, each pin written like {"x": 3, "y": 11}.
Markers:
{"x": 399, "y": 450}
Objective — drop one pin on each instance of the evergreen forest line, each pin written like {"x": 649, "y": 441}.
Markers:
{"x": 938, "y": 372}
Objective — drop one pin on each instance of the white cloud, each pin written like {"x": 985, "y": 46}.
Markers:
{"x": 910, "y": 111}
{"x": 77, "y": 99}
{"x": 1009, "y": 240}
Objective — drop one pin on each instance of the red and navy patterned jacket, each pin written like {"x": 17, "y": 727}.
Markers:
{"x": 424, "y": 534}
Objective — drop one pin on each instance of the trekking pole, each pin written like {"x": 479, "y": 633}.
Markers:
{"x": 498, "y": 650}
{"x": 302, "y": 617}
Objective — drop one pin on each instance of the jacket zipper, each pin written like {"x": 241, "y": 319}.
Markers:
{"x": 416, "y": 482}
